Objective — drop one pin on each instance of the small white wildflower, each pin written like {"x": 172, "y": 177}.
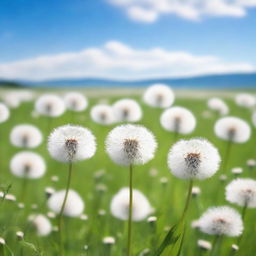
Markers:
{"x": 130, "y": 144}
{"x": 251, "y": 163}
{"x": 20, "y": 235}
{"x": 159, "y": 95}
{"x": 218, "y": 105}
{"x": 141, "y": 207}
{"x": 193, "y": 159}
{"x": 71, "y": 143}
{"x": 178, "y": 119}
{"x": 127, "y": 110}
{"x": 50, "y": 105}
{"x": 245, "y": 100}
{"x": 151, "y": 219}
{"x": 203, "y": 244}
{"x": 4, "y": 113}
{"x": 2, "y": 241}
{"x": 232, "y": 129}
{"x": 108, "y": 240}
{"x": 103, "y": 114}
{"x": 237, "y": 170}
{"x": 55, "y": 178}
{"x": 196, "y": 191}
{"x": 235, "y": 247}
{"x": 242, "y": 192}
{"x": 74, "y": 205}
{"x": 223, "y": 177}
{"x": 41, "y": 223}
{"x": 28, "y": 165}
{"x": 75, "y": 101}
{"x": 221, "y": 220}
{"x": 26, "y": 136}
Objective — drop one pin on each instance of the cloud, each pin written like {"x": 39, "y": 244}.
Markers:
{"x": 148, "y": 11}
{"x": 116, "y": 60}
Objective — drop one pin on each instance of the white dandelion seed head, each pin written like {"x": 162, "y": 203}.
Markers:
{"x": 50, "y": 105}
{"x": 70, "y": 143}
{"x": 102, "y": 114}
{"x": 141, "y": 207}
{"x": 237, "y": 170}
{"x": 75, "y": 101}
{"x": 159, "y": 95}
{"x": 108, "y": 240}
{"x": 127, "y": 110}
{"x": 232, "y": 129}
{"x": 4, "y": 113}
{"x": 151, "y": 219}
{"x": 28, "y": 165}
{"x": 178, "y": 119}
{"x": 193, "y": 159}
{"x": 74, "y": 205}
{"x": 245, "y": 100}
{"x": 203, "y": 244}
{"x": 221, "y": 220}
{"x": 26, "y": 136}
{"x": 131, "y": 144}
{"x": 218, "y": 105}
{"x": 41, "y": 223}
{"x": 242, "y": 191}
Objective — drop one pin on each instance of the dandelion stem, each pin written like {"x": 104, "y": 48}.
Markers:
{"x": 226, "y": 157}
{"x": 62, "y": 209}
{"x": 187, "y": 200}
{"x": 244, "y": 210}
{"x": 216, "y": 244}
{"x": 129, "y": 249}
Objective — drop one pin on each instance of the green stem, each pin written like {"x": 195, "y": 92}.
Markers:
{"x": 60, "y": 219}
{"x": 226, "y": 157}
{"x": 244, "y": 210}
{"x": 187, "y": 200}
{"x": 216, "y": 245}
{"x": 129, "y": 249}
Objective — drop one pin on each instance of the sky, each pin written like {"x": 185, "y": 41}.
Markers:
{"x": 125, "y": 39}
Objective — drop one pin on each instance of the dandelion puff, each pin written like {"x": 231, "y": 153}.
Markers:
{"x": 28, "y": 165}
{"x": 254, "y": 118}
{"x": 193, "y": 159}
{"x": 50, "y": 105}
{"x": 4, "y": 113}
{"x": 141, "y": 207}
{"x": 232, "y": 129}
{"x": 242, "y": 192}
{"x": 70, "y": 143}
{"x": 75, "y": 101}
{"x": 245, "y": 100}
{"x": 218, "y": 105}
{"x": 26, "y": 136}
{"x": 131, "y": 145}
{"x": 102, "y": 114}
{"x": 221, "y": 220}
{"x": 41, "y": 223}
{"x": 178, "y": 120}
{"x": 159, "y": 95}
{"x": 74, "y": 206}
{"x": 127, "y": 110}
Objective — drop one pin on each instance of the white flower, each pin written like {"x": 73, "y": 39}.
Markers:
{"x": 28, "y": 165}
{"x": 71, "y": 143}
{"x": 237, "y": 170}
{"x": 75, "y": 101}
{"x": 203, "y": 244}
{"x": 141, "y": 207}
{"x": 127, "y": 110}
{"x": 193, "y": 159}
{"x": 221, "y": 220}
{"x": 50, "y": 105}
{"x": 245, "y": 100}
{"x": 178, "y": 119}
{"x": 159, "y": 95}
{"x": 242, "y": 192}
{"x": 102, "y": 114}
{"x": 218, "y": 105}
{"x": 4, "y": 113}
{"x": 74, "y": 206}
{"x": 109, "y": 240}
{"x": 26, "y": 136}
{"x": 232, "y": 129}
{"x": 130, "y": 144}
{"x": 196, "y": 191}
{"x": 41, "y": 223}
{"x": 254, "y": 118}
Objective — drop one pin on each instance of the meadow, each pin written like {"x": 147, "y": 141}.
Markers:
{"x": 98, "y": 179}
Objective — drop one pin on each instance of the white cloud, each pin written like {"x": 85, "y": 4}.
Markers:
{"x": 149, "y": 10}
{"x": 118, "y": 61}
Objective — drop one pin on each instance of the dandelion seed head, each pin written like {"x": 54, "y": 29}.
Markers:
{"x": 218, "y": 105}
{"x": 42, "y": 225}
{"x": 103, "y": 114}
{"x": 4, "y": 113}
{"x": 203, "y": 244}
{"x": 245, "y": 100}
{"x": 75, "y": 101}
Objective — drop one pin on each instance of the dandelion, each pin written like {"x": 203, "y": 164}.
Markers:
{"x": 178, "y": 120}
{"x": 237, "y": 170}
{"x": 75, "y": 101}
{"x": 245, "y": 100}
{"x": 204, "y": 245}
{"x": 127, "y": 110}
{"x": 218, "y": 105}
{"x": 42, "y": 225}
{"x": 50, "y": 105}
{"x": 102, "y": 114}
{"x": 4, "y": 113}
{"x": 159, "y": 95}
{"x": 109, "y": 240}
{"x": 20, "y": 235}
{"x": 26, "y": 136}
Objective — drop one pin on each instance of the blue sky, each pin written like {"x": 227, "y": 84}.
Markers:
{"x": 49, "y": 28}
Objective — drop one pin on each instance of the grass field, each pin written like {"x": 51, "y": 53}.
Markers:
{"x": 167, "y": 199}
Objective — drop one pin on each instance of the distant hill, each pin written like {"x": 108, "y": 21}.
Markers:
{"x": 207, "y": 81}
{"x": 10, "y": 84}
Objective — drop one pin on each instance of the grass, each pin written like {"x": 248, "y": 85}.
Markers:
{"x": 167, "y": 199}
